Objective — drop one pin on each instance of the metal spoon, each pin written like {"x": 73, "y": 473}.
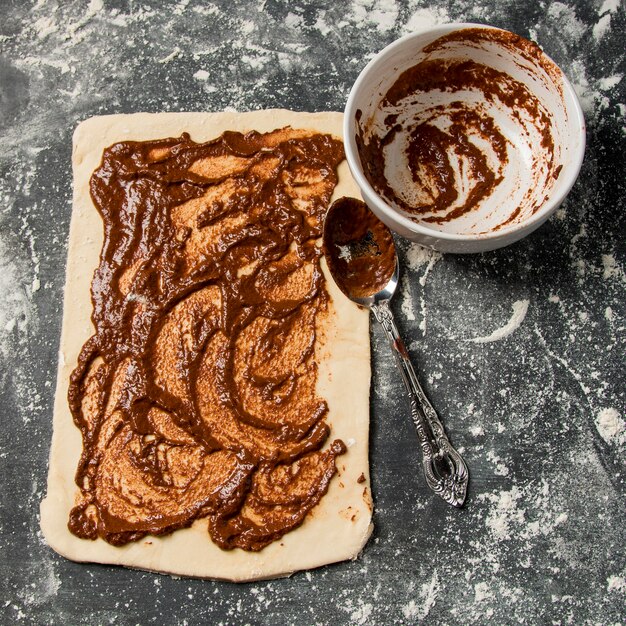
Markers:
{"x": 361, "y": 256}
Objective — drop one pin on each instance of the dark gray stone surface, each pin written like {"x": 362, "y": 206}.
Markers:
{"x": 539, "y": 412}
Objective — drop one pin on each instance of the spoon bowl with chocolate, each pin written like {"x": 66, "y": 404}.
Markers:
{"x": 361, "y": 257}
{"x": 463, "y": 137}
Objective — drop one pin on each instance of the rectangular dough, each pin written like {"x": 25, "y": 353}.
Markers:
{"x": 339, "y": 526}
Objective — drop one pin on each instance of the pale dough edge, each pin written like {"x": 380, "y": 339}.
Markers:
{"x": 340, "y": 525}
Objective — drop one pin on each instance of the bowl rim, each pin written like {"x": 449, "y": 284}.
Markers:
{"x": 352, "y": 155}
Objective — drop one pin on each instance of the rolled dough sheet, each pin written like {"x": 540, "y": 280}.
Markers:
{"x": 339, "y": 526}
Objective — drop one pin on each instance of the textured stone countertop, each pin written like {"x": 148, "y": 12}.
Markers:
{"x": 522, "y": 349}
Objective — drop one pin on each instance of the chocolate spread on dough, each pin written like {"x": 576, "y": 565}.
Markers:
{"x": 358, "y": 247}
{"x": 196, "y": 395}
{"x": 441, "y": 139}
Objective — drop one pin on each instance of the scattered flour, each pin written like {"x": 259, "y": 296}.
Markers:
{"x": 416, "y": 257}
{"x": 428, "y": 597}
{"x": 407, "y": 306}
{"x": 321, "y": 24}
{"x": 587, "y": 96}
{"x": 423, "y": 18}
{"x": 44, "y": 26}
{"x": 46, "y": 586}
{"x": 201, "y": 75}
{"x": 611, "y": 426}
{"x": 482, "y": 592}
{"x": 359, "y": 612}
{"x": 612, "y": 269}
{"x": 608, "y": 82}
{"x": 93, "y": 8}
{"x": 604, "y": 23}
{"x": 179, "y": 9}
{"x": 17, "y": 312}
{"x": 382, "y": 14}
{"x": 520, "y": 308}
{"x": 610, "y": 6}
{"x": 504, "y": 513}
{"x": 500, "y": 469}
{"x": 601, "y": 27}
{"x": 572, "y": 29}
{"x": 410, "y": 610}
{"x": 170, "y": 57}
{"x": 616, "y": 583}
{"x": 293, "y": 21}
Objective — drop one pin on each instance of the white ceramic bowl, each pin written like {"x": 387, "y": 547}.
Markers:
{"x": 544, "y": 135}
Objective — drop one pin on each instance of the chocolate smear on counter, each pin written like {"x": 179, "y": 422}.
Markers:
{"x": 196, "y": 395}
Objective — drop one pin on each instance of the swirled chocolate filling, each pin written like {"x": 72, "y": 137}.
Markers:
{"x": 196, "y": 395}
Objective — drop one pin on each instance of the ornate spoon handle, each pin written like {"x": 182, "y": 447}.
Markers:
{"x": 444, "y": 468}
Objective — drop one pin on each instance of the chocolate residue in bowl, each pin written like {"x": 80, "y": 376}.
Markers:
{"x": 196, "y": 395}
{"x": 451, "y": 129}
